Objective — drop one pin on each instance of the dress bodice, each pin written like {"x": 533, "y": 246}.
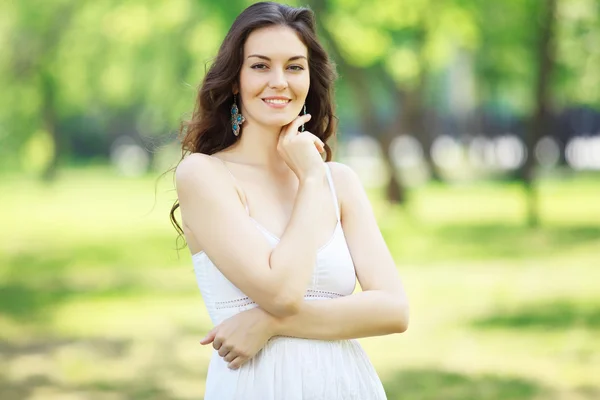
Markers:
{"x": 333, "y": 275}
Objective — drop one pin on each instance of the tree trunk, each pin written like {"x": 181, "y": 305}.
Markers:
{"x": 540, "y": 118}
{"x": 48, "y": 90}
{"x": 415, "y": 123}
{"x": 372, "y": 125}
{"x": 413, "y": 104}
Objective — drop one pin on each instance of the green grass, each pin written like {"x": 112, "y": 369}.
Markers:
{"x": 96, "y": 303}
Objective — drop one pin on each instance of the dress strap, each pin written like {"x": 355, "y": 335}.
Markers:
{"x": 236, "y": 182}
{"x": 332, "y": 187}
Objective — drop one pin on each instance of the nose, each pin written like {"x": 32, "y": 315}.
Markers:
{"x": 277, "y": 80}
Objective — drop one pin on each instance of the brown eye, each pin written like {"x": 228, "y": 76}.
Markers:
{"x": 259, "y": 66}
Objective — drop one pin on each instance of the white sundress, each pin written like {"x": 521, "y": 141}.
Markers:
{"x": 291, "y": 368}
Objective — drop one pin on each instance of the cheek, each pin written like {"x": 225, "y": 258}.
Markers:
{"x": 300, "y": 85}
{"x": 250, "y": 85}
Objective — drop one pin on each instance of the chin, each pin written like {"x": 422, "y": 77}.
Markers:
{"x": 278, "y": 121}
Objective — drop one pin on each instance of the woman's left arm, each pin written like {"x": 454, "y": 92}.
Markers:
{"x": 382, "y": 307}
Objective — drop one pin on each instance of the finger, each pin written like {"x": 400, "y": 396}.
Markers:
{"x": 224, "y": 350}
{"x": 210, "y": 336}
{"x": 217, "y": 343}
{"x": 293, "y": 128}
{"x": 229, "y": 357}
{"x": 237, "y": 362}
{"x": 301, "y": 120}
{"x": 320, "y": 145}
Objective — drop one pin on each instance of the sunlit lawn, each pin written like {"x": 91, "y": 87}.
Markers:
{"x": 96, "y": 304}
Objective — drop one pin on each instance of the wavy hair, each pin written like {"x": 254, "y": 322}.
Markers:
{"x": 209, "y": 129}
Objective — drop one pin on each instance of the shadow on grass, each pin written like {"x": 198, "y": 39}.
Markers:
{"x": 517, "y": 241}
{"x": 23, "y": 302}
{"x": 106, "y": 347}
{"x": 32, "y": 266}
{"x": 142, "y": 389}
{"x": 431, "y": 384}
{"x": 152, "y": 379}
{"x": 36, "y": 280}
{"x": 50, "y": 258}
{"x": 485, "y": 241}
{"x": 555, "y": 315}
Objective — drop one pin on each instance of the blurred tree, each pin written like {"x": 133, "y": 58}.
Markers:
{"x": 577, "y": 37}
{"x": 516, "y": 65}
{"x": 109, "y": 67}
{"x": 386, "y": 52}
{"x": 29, "y": 74}
{"x": 358, "y": 79}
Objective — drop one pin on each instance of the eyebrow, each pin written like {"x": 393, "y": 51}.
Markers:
{"x": 268, "y": 59}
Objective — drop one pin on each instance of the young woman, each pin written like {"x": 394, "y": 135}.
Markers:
{"x": 278, "y": 236}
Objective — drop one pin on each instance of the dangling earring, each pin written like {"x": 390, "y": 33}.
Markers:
{"x": 237, "y": 119}
{"x": 304, "y": 113}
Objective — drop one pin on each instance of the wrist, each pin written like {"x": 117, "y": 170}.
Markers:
{"x": 314, "y": 177}
{"x": 271, "y": 323}
{"x": 276, "y": 325}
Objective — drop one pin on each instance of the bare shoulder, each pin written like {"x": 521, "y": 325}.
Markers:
{"x": 198, "y": 169}
{"x": 346, "y": 180}
{"x": 193, "y": 165}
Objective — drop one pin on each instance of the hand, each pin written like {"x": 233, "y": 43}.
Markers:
{"x": 239, "y": 338}
{"x": 300, "y": 150}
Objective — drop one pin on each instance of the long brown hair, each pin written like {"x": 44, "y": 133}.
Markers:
{"x": 209, "y": 129}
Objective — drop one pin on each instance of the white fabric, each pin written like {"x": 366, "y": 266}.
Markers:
{"x": 291, "y": 368}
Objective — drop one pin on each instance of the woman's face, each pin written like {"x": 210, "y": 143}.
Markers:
{"x": 274, "y": 78}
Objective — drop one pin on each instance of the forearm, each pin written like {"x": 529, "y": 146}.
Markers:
{"x": 369, "y": 313}
{"x": 294, "y": 257}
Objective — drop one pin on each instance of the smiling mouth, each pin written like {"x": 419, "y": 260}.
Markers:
{"x": 277, "y": 101}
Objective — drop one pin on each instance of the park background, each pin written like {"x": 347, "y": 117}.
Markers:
{"x": 475, "y": 126}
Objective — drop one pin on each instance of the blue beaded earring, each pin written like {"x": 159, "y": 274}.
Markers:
{"x": 237, "y": 119}
{"x": 304, "y": 113}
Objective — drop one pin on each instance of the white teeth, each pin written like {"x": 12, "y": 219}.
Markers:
{"x": 276, "y": 101}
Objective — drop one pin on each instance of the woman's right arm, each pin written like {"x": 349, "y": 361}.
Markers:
{"x": 275, "y": 278}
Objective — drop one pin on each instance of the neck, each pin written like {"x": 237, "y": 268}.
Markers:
{"x": 258, "y": 146}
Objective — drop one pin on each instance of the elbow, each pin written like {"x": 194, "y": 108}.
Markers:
{"x": 401, "y": 317}
{"x": 284, "y": 305}
{"x": 281, "y": 300}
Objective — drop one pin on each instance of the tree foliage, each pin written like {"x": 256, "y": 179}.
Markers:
{"x": 73, "y": 72}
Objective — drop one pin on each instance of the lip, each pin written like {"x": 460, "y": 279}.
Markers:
{"x": 276, "y": 98}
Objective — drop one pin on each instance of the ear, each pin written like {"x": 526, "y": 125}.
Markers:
{"x": 235, "y": 89}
